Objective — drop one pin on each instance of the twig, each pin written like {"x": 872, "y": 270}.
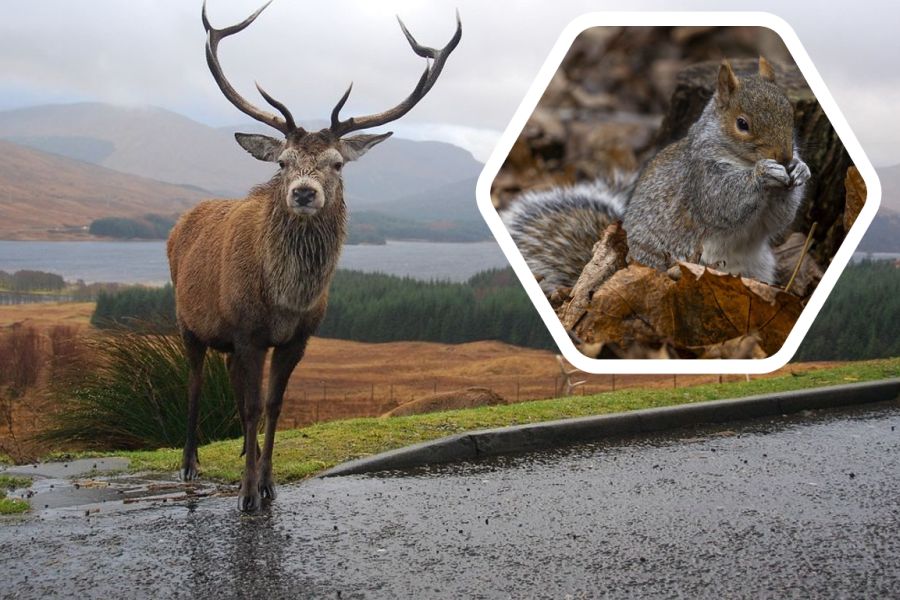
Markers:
{"x": 806, "y": 244}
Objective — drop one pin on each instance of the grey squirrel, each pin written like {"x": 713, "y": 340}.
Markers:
{"x": 716, "y": 197}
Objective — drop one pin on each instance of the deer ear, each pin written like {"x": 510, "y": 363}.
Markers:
{"x": 727, "y": 83}
{"x": 352, "y": 148}
{"x": 262, "y": 147}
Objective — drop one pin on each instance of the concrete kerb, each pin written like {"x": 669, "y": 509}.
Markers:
{"x": 554, "y": 434}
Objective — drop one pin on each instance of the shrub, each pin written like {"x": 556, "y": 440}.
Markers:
{"x": 136, "y": 396}
{"x": 21, "y": 358}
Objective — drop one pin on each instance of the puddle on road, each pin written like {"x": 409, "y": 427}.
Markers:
{"x": 86, "y": 487}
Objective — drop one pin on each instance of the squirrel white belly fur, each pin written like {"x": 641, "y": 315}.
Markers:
{"x": 717, "y": 197}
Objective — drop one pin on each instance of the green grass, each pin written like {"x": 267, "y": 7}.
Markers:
{"x": 11, "y": 482}
{"x": 301, "y": 453}
{"x": 11, "y": 506}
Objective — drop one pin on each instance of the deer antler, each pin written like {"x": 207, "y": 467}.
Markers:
{"x": 426, "y": 81}
{"x": 214, "y": 36}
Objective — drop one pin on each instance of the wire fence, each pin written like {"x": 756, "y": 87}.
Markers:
{"x": 316, "y": 402}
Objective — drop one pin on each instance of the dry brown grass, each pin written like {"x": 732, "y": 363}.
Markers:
{"x": 32, "y": 353}
{"x": 340, "y": 379}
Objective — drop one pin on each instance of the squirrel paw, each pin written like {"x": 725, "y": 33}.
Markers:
{"x": 799, "y": 172}
{"x": 773, "y": 173}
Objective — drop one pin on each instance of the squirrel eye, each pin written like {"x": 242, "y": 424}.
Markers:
{"x": 281, "y": 164}
{"x": 742, "y": 124}
{"x": 337, "y": 165}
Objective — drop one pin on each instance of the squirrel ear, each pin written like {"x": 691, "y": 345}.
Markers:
{"x": 766, "y": 71}
{"x": 728, "y": 82}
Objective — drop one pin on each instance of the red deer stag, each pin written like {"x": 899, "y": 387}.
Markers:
{"x": 254, "y": 273}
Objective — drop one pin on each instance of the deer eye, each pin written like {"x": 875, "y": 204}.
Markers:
{"x": 742, "y": 124}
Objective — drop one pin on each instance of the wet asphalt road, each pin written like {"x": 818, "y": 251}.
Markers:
{"x": 807, "y": 506}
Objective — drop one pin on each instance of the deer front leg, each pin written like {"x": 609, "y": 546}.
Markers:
{"x": 237, "y": 385}
{"x": 284, "y": 359}
{"x": 249, "y": 365}
{"x": 195, "y": 350}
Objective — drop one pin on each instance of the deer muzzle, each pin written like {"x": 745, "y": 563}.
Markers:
{"x": 305, "y": 197}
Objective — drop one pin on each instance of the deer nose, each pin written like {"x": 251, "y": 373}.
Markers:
{"x": 302, "y": 196}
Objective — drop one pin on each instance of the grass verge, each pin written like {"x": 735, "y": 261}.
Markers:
{"x": 11, "y": 506}
{"x": 300, "y": 453}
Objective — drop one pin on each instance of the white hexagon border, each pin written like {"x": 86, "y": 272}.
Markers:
{"x": 529, "y": 103}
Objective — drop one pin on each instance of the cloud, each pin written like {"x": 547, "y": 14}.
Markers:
{"x": 479, "y": 141}
{"x": 151, "y": 52}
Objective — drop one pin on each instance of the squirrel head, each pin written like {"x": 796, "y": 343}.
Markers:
{"x": 755, "y": 115}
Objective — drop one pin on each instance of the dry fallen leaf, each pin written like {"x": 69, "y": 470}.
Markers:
{"x": 714, "y": 307}
{"x": 641, "y": 306}
{"x": 626, "y": 308}
{"x": 856, "y": 196}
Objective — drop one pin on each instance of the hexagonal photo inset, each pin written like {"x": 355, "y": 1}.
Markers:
{"x": 678, "y": 192}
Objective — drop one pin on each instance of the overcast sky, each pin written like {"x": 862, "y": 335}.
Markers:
{"x": 305, "y": 53}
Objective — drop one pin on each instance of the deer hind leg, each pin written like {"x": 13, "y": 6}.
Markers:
{"x": 284, "y": 359}
{"x": 248, "y": 368}
{"x": 196, "y": 351}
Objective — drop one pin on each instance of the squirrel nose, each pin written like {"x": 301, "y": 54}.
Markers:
{"x": 303, "y": 195}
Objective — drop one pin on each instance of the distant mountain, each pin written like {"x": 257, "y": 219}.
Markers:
{"x": 883, "y": 234}
{"x": 159, "y": 144}
{"x": 41, "y": 192}
{"x": 890, "y": 187}
{"x": 454, "y": 201}
{"x": 394, "y": 169}
{"x": 150, "y": 142}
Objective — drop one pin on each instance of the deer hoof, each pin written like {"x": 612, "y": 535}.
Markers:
{"x": 249, "y": 502}
{"x": 267, "y": 491}
{"x": 190, "y": 471}
{"x": 188, "y": 474}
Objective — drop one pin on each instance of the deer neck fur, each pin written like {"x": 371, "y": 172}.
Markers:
{"x": 299, "y": 252}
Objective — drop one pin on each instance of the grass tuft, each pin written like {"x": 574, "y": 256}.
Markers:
{"x": 11, "y": 506}
{"x": 136, "y": 396}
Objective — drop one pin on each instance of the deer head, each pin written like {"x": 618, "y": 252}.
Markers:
{"x": 310, "y": 163}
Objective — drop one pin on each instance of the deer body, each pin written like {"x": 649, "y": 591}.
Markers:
{"x": 259, "y": 285}
{"x": 253, "y": 274}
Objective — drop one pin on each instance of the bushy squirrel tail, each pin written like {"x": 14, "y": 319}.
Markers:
{"x": 556, "y": 229}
